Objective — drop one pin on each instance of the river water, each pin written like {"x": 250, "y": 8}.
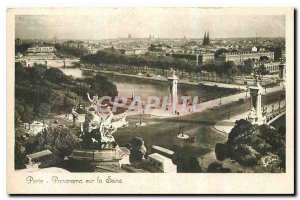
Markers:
{"x": 127, "y": 86}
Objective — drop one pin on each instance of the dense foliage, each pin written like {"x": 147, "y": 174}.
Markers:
{"x": 150, "y": 60}
{"x": 252, "y": 145}
{"x": 217, "y": 167}
{"x": 22, "y": 48}
{"x": 186, "y": 160}
{"x": 59, "y": 140}
{"x": 40, "y": 91}
{"x": 178, "y": 62}
{"x": 70, "y": 51}
{"x": 228, "y": 68}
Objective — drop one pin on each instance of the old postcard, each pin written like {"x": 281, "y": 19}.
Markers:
{"x": 150, "y": 101}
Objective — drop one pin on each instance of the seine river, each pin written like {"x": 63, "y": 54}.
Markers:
{"x": 127, "y": 86}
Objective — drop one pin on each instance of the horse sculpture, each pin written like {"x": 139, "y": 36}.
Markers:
{"x": 118, "y": 124}
{"x": 107, "y": 124}
{"x": 111, "y": 124}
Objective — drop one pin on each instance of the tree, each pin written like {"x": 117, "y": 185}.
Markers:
{"x": 230, "y": 68}
{"x": 27, "y": 116}
{"x": 69, "y": 104}
{"x": 191, "y": 165}
{"x": 221, "y": 151}
{"x": 271, "y": 136}
{"x": 65, "y": 143}
{"x": 241, "y": 126}
{"x": 56, "y": 100}
{"x": 248, "y": 143}
{"x": 264, "y": 58}
{"x": 261, "y": 70}
{"x": 282, "y": 132}
{"x": 217, "y": 167}
{"x": 19, "y": 157}
{"x": 19, "y": 110}
{"x": 55, "y": 75}
{"x": 37, "y": 86}
{"x": 248, "y": 66}
{"x": 220, "y": 52}
{"x": 246, "y": 155}
{"x": 219, "y": 68}
{"x": 277, "y": 52}
{"x": 185, "y": 160}
{"x": 44, "y": 110}
{"x": 61, "y": 141}
{"x": 22, "y": 48}
{"x": 270, "y": 163}
{"x": 102, "y": 87}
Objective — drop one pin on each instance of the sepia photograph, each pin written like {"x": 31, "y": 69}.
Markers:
{"x": 150, "y": 90}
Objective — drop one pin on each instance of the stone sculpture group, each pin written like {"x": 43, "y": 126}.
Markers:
{"x": 99, "y": 130}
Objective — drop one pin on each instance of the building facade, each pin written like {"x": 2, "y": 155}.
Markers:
{"x": 239, "y": 57}
{"x": 135, "y": 51}
{"x": 207, "y": 57}
{"x": 35, "y": 50}
{"x": 272, "y": 67}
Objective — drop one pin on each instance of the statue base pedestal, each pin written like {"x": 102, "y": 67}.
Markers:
{"x": 183, "y": 136}
{"x": 106, "y": 160}
{"x": 140, "y": 124}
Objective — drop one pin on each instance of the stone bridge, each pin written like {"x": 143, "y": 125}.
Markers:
{"x": 274, "y": 115}
{"x": 49, "y": 62}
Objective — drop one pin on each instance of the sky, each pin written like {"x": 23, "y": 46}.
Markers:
{"x": 162, "y": 23}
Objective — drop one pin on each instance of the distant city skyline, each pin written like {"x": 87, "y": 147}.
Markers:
{"x": 163, "y": 23}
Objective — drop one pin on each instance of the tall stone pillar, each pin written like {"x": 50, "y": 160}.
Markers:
{"x": 255, "y": 116}
{"x": 282, "y": 71}
{"x": 173, "y": 80}
{"x": 197, "y": 57}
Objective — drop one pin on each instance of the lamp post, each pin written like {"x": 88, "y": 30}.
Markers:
{"x": 265, "y": 89}
{"x": 140, "y": 116}
{"x": 228, "y": 116}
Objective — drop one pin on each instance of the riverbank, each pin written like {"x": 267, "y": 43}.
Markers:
{"x": 164, "y": 79}
{"x": 134, "y": 85}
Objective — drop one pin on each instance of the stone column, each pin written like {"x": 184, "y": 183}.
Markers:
{"x": 282, "y": 71}
{"x": 256, "y": 112}
{"x": 197, "y": 57}
{"x": 173, "y": 80}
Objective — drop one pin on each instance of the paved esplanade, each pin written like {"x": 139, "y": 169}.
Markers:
{"x": 208, "y": 104}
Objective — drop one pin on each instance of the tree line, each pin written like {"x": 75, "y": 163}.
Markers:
{"x": 149, "y": 60}
{"x": 262, "y": 147}
{"x": 40, "y": 91}
{"x": 158, "y": 62}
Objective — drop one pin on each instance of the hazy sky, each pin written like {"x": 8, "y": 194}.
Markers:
{"x": 161, "y": 23}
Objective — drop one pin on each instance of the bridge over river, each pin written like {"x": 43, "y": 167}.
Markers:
{"x": 225, "y": 126}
